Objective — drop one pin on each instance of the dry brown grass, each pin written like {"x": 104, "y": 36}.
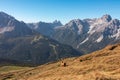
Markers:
{"x": 100, "y": 65}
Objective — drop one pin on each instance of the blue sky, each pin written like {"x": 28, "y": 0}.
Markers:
{"x": 63, "y": 10}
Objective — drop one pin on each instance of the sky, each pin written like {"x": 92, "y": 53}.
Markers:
{"x": 63, "y": 10}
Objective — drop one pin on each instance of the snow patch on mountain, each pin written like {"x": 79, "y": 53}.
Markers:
{"x": 91, "y": 31}
{"x": 117, "y": 35}
{"x": 80, "y": 29}
{"x": 82, "y": 42}
{"x": 99, "y": 39}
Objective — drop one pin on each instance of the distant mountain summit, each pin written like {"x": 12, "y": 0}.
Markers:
{"x": 45, "y": 28}
{"x": 106, "y": 18}
{"x": 57, "y": 23}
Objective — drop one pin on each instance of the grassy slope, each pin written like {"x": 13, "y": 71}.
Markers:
{"x": 5, "y": 69}
{"x": 102, "y": 65}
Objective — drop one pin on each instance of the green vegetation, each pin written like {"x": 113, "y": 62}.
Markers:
{"x": 11, "y": 68}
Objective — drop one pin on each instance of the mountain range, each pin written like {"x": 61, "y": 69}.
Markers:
{"x": 23, "y": 45}
{"x": 87, "y": 35}
{"x": 43, "y": 51}
{"x": 42, "y": 42}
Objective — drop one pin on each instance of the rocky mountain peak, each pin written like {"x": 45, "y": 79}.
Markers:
{"x": 74, "y": 22}
{"x": 5, "y": 16}
{"x": 106, "y": 18}
{"x": 115, "y": 22}
{"x": 57, "y": 23}
{"x": 10, "y": 27}
{"x": 6, "y": 20}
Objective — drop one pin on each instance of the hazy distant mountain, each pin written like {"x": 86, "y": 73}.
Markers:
{"x": 21, "y": 44}
{"x": 89, "y": 34}
{"x": 45, "y": 28}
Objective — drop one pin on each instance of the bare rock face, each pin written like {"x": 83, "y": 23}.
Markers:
{"x": 89, "y": 34}
{"x": 106, "y": 18}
